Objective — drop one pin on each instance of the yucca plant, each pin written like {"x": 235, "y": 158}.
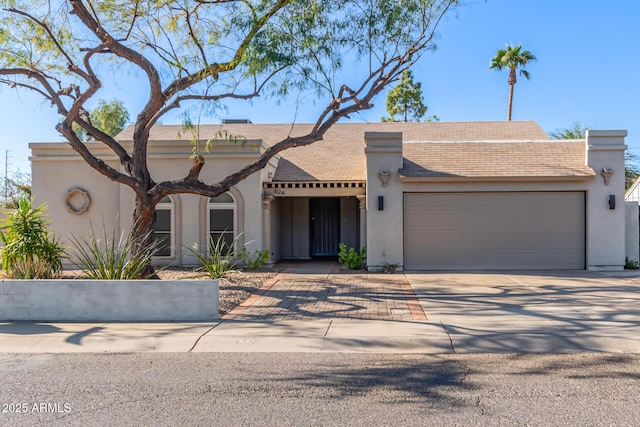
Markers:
{"x": 220, "y": 259}
{"x": 108, "y": 257}
{"x": 29, "y": 250}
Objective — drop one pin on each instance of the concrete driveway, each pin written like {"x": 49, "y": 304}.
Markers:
{"x": 521, "y": 312}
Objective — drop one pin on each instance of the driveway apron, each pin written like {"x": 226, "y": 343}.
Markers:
{"x": 319, "y": 308}
{"x": 297, "y": 294}
{"x": 532, "y": 311}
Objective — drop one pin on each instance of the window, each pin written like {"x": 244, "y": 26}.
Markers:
{"x": 162, "y": 227}
{"x": 222, "y": 218}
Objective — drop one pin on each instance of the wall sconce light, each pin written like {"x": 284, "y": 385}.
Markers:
{"x": 606, "y": 174}
{"x": 612, "y": 201}
{"x": 380, "y": 203}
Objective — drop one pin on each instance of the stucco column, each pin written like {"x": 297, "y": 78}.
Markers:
{"x": 384, "y": 200}
{"x": 605, "y": 200}
{"x": 266, "y": 225}
{"x": 362, "y": 205}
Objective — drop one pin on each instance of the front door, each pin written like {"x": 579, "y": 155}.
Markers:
{"x": 325, "y": 226}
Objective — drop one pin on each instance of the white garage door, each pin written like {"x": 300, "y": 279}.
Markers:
{"x": 494, "y": 230}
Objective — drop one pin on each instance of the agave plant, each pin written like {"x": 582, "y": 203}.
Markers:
{"x": 108, "y": 256}
{"x": 220, "y": 259}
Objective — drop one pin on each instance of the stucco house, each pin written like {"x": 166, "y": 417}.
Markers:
{"x": 423, "y": 196}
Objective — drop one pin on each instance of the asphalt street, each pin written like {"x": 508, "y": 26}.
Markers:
{"x": 287, "y": 389}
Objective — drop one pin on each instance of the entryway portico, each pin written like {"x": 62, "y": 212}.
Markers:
{"x": 305, "y": 220}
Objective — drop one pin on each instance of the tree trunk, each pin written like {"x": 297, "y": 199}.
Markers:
{"x": 510, "y": 101}
{"x": 142, "y": 231}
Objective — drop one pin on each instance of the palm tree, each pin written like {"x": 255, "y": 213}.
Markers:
{"x": 512, "y": 58}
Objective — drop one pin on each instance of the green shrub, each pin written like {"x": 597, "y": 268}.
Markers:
{"x": 631, "y": 264}
{"x": 108, "y": 257}
{"x": 255, "y": 261}
{"x": 220, "y": 260}
{"x": 29, "y": 250}
{"x": 353, "y": 260}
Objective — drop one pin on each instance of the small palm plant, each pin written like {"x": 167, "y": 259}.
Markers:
{"x": 108, "y": 256}
{"x": 29, "y": 250}
{"x": 220, "y": 259}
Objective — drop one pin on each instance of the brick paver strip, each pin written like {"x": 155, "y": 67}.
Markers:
{"x": 417, "y": 312}
{"x": 347, "y": 296}
{"x": 253, "y": 298}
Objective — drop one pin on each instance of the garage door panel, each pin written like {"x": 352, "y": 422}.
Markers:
{"x": 494, "y": 230}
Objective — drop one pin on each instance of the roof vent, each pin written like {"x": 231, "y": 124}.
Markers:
{"x": 235, "y": 121}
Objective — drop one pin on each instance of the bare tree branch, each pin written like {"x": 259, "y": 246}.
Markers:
{"x": 215, "y": 69}
{"x": 229, "y": 95}
{"x": 14, "y": 84}
{"x": 46, "y": 28}
{"x": 52, "y": 93}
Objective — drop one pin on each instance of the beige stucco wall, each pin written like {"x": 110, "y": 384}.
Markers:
{"x": 384, "y": 227}
{"x": 56, "y": 169}
{"x": 605, "y": 226}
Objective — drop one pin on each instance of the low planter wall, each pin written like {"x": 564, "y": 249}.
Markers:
{"x": 109, "y": 300}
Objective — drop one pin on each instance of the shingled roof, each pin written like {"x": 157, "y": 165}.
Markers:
{"x": 340, "y": 156}
{"x": 501, "y": 160}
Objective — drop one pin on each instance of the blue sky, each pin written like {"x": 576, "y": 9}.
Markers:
{"x": 588, "y": 70}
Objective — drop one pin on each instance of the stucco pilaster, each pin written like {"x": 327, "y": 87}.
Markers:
{"x": 266, "y": 225}
{"x": 605, "y": 232}
{"x": 384, "y": 200}
{"x": 362, "y": 208}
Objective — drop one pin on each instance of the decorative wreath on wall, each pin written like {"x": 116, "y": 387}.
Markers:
{"x": 78, "y": 200}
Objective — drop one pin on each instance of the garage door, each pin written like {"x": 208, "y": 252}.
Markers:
{"x": 505, "y": 230}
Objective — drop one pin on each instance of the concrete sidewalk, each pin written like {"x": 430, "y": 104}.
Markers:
{"x": 487, "y": 312}
{"x": 322, "y": 335}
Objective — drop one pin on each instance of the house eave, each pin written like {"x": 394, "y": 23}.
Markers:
{"x": 314, "y": 188}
